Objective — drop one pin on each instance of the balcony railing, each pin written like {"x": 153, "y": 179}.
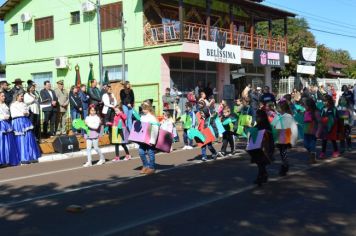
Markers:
{"x": 165, "y": 33}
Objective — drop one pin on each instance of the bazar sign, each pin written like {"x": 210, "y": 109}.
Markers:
{"x": 267, "y": 58}
{"x": 219, "y": 52}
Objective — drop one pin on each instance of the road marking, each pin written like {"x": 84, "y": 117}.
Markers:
{"x": 71, "y": 169}
{"x": 210, "y": 200}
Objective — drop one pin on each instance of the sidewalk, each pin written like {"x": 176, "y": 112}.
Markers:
{"x": 81, "y": 153}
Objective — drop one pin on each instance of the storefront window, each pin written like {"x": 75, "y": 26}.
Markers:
{"x": 187, "y": 72}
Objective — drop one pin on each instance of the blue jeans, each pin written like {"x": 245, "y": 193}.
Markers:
{"x": 211, "y": 148}
{"x": 128, "y": 112}
{"x": 186, "y": 139}
{"x": 85, "y": 114}
{"x": 74, "y": 114}
{"x": 310, "y": 142}
{"x": 142, "y": 150}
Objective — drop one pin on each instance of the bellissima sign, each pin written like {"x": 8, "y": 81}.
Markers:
{"x": 219, "y": 52}
{"x": 267, "y": 58}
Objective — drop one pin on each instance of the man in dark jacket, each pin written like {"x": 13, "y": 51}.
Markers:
{"x": 8, "y": 94}
{"x": 49, "y": 106}
{"x": 17, "y": 89}
{"x": 94, "y": 94}
{"x": 267, "y": 96}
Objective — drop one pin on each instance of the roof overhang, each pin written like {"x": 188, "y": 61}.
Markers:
{"x": 259, "y": 11}
{"x": 7, "y": 6}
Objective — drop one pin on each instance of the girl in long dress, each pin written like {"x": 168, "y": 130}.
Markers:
{"x": 8, "y": 151}
{"x": 27, "y": 147}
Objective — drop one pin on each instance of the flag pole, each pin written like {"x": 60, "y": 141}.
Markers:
{"x": 99, "y": 42}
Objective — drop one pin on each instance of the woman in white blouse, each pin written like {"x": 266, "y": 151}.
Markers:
{"x": 8, "y": 151}
{"x": 23, "y": 128}
{"x": 31, "y": 99}
{"x": 110, "y": 103}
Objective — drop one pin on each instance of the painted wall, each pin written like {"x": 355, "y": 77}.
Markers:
{"x": 69, "y": 40}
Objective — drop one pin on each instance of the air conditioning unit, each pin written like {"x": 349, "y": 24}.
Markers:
{"x": 61, "y": 62}
{"x": 26, "y": 17}
{"x": 88, "y": 7}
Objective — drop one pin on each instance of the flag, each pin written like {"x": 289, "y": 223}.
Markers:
{"x": 106, "y": 78}
{"x": 91, "y": 76}
{"x": 78, "y": 81}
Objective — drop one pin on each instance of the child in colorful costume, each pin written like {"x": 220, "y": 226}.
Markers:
{"x": 228, "y": 120}
{"x": 346, "y": 116}
{"x": 203, "y": 127}
{"x": 189, "y": 121}
{"x": 329, "y": 122}
{"x": 119, "y": 133}
{"x": 311, "y": 120}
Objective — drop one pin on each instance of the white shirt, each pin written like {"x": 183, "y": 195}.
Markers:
{"x": 4, "y": 112}
{"x": 32, "y": 102}
{"x": 17, "y": 109}
{"x": 107, "y": 103}
{"x": 93, "y": 122}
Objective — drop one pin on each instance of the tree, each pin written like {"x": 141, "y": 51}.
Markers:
{"x": 2, "y": 68}
{"x": 298, "y": 37}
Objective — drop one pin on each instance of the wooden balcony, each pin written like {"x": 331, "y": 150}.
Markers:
{"x": 166, "y": 33}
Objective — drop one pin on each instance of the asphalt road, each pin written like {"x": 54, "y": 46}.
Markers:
{"x": 185, "y": 197}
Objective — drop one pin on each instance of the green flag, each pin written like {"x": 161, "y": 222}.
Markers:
{"x": 106, "y": 78}
{"x": 78, "y": 81}
{"x": 91, "y": 76}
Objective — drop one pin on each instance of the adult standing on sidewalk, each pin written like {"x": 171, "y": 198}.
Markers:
{"x": 84, "y": 97}
{"x": 31, "y": 99}
{"x": 94, "y": 95}
{"x": 110, "y": 103}
{"x": 127, "y": 98}
{"x": 63, "y": 102}
{"x": 267, "y": 96}
{"x": 76, "y": 107}
{"x": 17, "y": 88}
{"x": 168, "y": 101}
{"x": 8, "y": 93}
{"x": 48, "y": 104}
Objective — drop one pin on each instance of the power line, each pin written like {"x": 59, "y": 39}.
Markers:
{"x": 327, "y": 20}
{"x": 328, "y": 32}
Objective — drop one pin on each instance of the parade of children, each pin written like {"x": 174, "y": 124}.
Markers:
{"x": 281, "y": 121}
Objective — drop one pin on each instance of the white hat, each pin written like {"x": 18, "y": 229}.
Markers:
{"x": 258, "y": 88}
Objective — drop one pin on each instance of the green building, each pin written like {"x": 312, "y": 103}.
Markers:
{"x": 45, "y": 40}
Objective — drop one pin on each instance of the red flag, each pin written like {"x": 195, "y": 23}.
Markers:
{"x": 78, "y": 81}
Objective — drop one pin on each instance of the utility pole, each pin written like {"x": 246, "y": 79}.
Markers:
{"x": 100, "y": 47}
{"x": 123, "y": 47}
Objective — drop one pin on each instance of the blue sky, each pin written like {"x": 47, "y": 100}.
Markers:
{"x": 326, "y": 15}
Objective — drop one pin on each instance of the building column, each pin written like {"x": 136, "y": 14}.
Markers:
{"x": 208, "y": 13}
{"x": 231, "y": 14}
{"x": 165, "y": 78}
{"x": 181, "y": 20}
{"x": 268, "y": 77}
{"x": 223, "y": 78}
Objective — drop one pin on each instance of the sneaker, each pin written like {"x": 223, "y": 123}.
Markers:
{"x": 335, "y": 154}
{"x": 322, "y": 155}
{"x": 100, "y": 162}
{"x": 189, "y": 147}
{"x": 143, "y": 170}
{"x": 185, "y": 147}
{"x": 116, "y": 159}
{"x": 204, "y": 159}
{"x": 230, "y": 154}
{"x": 214, "y": 156}
{"x": 87, "y": 164}
{"x": 127, "y": 158}
{"x": 221, "y": 154}
{"x": 150, "y": 171}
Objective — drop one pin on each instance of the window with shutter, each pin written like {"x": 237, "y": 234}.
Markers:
{"x": 44, "y": 29}
{"x": 110, "y": 16}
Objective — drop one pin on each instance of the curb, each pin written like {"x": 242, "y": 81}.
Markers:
{"x": 81, "y": 153}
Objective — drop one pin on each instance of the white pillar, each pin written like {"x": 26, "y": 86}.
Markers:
{"x": 268, "y": 77}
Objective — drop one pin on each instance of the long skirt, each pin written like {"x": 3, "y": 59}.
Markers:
{"x": 27, "y": 147}
{"x": 8, "y": 151}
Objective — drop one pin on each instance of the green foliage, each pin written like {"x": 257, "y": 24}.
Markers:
{"x": 2, "y": 68}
